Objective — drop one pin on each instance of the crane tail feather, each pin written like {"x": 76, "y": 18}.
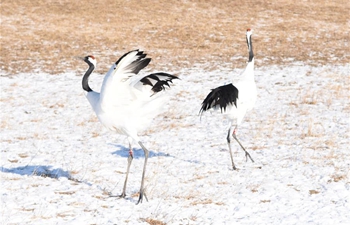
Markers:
{"x": 220, "y": 97}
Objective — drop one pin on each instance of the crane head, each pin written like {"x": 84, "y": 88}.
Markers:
{"x": 249, "y": 32}
{"x": 89, "y": 59}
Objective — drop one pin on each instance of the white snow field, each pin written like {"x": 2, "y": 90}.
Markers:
{"x": 59, "y": 164}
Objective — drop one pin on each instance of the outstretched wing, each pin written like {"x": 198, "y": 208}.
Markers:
{"x": 222, "y": 97}
{"x": 115, "y": 85}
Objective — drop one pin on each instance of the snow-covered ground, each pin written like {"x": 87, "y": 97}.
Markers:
{"x": 58, "y": 164}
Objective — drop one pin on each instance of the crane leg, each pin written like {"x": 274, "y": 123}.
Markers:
{"x": 246, "y": 153}
{"x": 130, "y": 158}
{"x": 142, "y": 189}
{"x": 229, "y": 147}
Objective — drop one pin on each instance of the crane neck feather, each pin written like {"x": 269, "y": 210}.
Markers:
{"x": 85, "y": 81}
{"x": 250, "y": 47}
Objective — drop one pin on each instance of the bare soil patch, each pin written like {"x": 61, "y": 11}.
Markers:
{"x": 46, "y": 35}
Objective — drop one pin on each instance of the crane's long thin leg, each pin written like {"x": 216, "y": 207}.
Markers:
{"x": 142, "y": 190}
{"x": 246, "y": 153}
{"x": 229, "y": 147}
{"x": 130, "y": 158}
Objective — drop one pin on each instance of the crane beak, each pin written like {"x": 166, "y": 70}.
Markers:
{"x": 79, "y": 57}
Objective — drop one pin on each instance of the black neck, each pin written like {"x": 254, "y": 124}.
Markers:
{"x": 250, "y": 48}
{"x": 85, "y": 81}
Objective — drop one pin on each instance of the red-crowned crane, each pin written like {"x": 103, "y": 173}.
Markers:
{"x": 128, "y": 101}
{"x": 236, "y": 98}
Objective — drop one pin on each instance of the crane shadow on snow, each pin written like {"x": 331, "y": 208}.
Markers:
{"x": 138, "y": 152}
{"x": 37, "y": 170}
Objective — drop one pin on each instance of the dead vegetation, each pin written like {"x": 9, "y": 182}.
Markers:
{"x": 152, "y": 221}
{"x": 46, "y": 35}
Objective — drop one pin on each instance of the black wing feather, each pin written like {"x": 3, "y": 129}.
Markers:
{"x": 137, "y": 65}
{"x": 220, "y": 97}
{"x": 160, "y": 81}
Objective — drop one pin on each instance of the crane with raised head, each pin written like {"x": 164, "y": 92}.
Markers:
{"x": 235, "y": 99}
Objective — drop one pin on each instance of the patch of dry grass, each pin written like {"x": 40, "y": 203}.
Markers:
{"x": 152, "y": 221}
{"x": 46, "y": 35}
{"x": 314, "y": 129}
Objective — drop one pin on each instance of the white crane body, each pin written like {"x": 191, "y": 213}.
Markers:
{"x": 235, "y": 99}
{"x": 128, "y": 101}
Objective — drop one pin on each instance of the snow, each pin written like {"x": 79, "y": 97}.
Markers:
{"x": 58, "y": 164}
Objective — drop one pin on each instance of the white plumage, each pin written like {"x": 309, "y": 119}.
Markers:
{"x": 128, "y": 101}
{"x": 236, "y": 98}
